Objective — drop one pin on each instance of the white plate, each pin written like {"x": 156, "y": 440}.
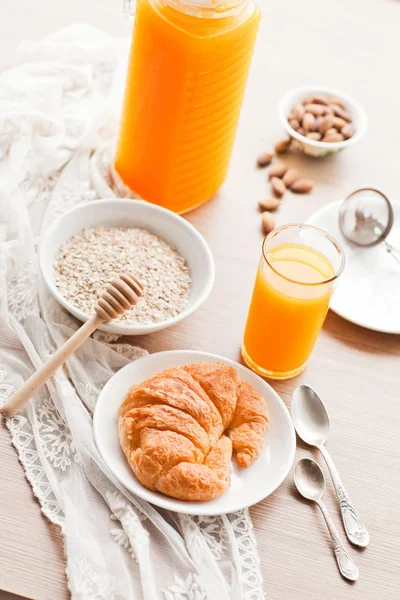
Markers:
{"x": 368, "y": 291}
{"x": 173, "y": 228}
{"x": 248, "y": 485}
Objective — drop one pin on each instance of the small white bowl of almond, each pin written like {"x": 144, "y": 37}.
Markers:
{"x": 321, "y": 121}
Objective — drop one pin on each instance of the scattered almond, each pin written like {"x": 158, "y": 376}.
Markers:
{"x": 320, "y": 118}
{"x": 308, "y": 122}
{"x": 314, "y": 135}
{"x": 333, "y": 137}
{"x": 278, "y": 169}
{"x": 347, "y": 131}
{"x": 278, "y": 187}
{"x": 290, "y": 177}
{"x": 282, "y": 146}
{"x": 269, "y": 204}
{"x": 264, "y": 160}
{"x": 302, "y": 186}
{"x": 268, "y": 222}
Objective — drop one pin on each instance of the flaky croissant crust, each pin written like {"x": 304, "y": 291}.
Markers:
{"x": 179, "y": 427}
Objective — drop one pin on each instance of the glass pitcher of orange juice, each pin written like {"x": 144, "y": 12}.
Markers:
{"x": 186, "y": 79}
{"x": 296, "y": 276}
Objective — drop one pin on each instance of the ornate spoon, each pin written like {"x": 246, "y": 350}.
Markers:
{"x": 311, "y": 422}
{"x": 310, "y": 482}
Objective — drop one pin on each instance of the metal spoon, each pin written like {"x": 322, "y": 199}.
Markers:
{"x": 311, "y": 422}
{"x": 310, "y": 482}
{"x": 366, "y": 219}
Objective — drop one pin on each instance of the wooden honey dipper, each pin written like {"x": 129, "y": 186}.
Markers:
{"x": 121, "y": 294}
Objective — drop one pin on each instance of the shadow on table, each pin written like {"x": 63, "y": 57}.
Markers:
{"x": 365, "y": 339}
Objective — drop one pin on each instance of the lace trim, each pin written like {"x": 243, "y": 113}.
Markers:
{"x": 185, "y": 589}
{"x": 131, "y": 533}
{"x": 214, "y": 533}
{"x": 85, "y": 583}
{"x": 22, "y": 294}
{"x": 23, "y": 441}
{"x": 249, "y": 558}
{"x": 57, "y": 443}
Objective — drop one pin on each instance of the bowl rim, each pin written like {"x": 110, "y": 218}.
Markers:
{"x": 119, "y": 328}
{"x": 318, "y": 89}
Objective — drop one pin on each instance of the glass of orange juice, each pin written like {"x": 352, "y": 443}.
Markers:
{"x": 296, "y": 276}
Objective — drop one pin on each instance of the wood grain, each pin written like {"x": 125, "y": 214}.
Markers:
{"x": 353, "y": 47}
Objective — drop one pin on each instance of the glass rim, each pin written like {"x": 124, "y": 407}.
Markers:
{"x": 333, "y": 241}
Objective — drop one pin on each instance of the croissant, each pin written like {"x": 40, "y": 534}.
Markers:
{"x": 179, "y": 427}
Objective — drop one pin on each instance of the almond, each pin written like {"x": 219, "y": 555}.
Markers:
{"x": 278, "y": 187}
{"x": 340, "y": 112}
{"x": 348, "y": 131}
{"x": 269, "y": 204}
{"x": 298, "y": 112}
{"x": 318, "y": 122}
{"x": 302, "y": 186}
{"x": 268, "y": 222}
{"x": 314, "y": 135}
{"x": 264, "y": 160}
{"x": 290, "y": 177}
{"x": 337, "y": 101}
{"x": 331, "y": 131}
{"x": 308, "y": 122}
{"x": 278, "y": 169}
{"x": 301, "y": 131}
{"x": 282, "y": 146}
{"x": 333, "y": 137}
{"x": 315, "y": 109}
{"x": 339, "y": 123}
{"x": 320, "y": 99}
{"x": 294, "y": 124}
{"x": 326, "y": 123}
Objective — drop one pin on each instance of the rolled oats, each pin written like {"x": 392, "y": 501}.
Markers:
{"x": 88, "y": 261}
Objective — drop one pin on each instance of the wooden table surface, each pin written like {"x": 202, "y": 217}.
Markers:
{"x": 352, "y": 45}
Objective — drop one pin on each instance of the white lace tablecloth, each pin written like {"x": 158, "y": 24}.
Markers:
{"x": 58, "y": 117}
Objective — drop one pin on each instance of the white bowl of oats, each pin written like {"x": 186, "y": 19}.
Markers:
{"x": 92, "y": 243}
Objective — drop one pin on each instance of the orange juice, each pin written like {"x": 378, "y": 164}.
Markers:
{"x": 288, "y": 307}
{"x": 186, "y": 79}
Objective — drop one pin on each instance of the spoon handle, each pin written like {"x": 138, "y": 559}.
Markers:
{"x": 346, "y": 564}
{"x": 353, "y": 524}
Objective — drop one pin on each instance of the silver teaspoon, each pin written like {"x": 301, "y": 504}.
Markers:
{"x": 311, "y": 422}
{"x": 310, "y": 482}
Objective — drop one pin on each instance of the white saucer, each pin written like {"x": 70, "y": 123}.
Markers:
{"x": 368, "y": 291}
{"x": 248, "y": 485}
